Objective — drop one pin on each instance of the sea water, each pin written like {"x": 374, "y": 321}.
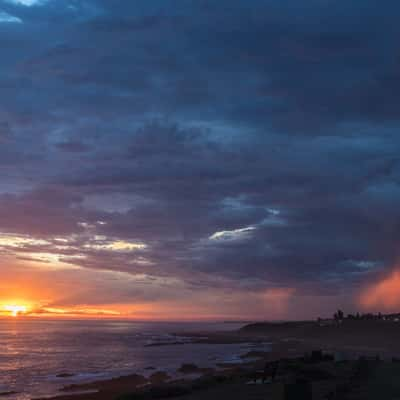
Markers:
{"x": 33, "y": 353}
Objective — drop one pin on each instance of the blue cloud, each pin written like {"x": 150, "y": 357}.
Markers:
{"x": 8, "y": 18}
{"x": 173, "y": 122}
{"x": 27, "y": 3}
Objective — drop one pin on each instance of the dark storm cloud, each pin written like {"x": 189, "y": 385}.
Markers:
{"x": 245, "y": 140}
{"x": 73, "y": 146}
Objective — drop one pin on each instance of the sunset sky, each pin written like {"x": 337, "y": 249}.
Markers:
{"x": 199, "y": 159}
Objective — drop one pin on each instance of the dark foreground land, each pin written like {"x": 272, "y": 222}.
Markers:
{"x": 358, "y": 361}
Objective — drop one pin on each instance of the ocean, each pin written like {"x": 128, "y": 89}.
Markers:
{"x": 34, "y": 352}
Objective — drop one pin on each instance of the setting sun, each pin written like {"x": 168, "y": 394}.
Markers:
{"x": 15, "y": 309}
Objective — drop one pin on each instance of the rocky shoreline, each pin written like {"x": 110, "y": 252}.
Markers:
{"x": 331, "y": 374}
{"x": 193, "y": 377}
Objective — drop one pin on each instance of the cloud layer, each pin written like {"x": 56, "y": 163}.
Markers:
{"x": 218, "y": 152}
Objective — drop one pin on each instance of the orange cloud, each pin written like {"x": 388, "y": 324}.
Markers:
{"x": 383, "y": 295}
{"x": 277, "y": 300}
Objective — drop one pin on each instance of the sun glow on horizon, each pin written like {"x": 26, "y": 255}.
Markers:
{"x": 15, "y": 309}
